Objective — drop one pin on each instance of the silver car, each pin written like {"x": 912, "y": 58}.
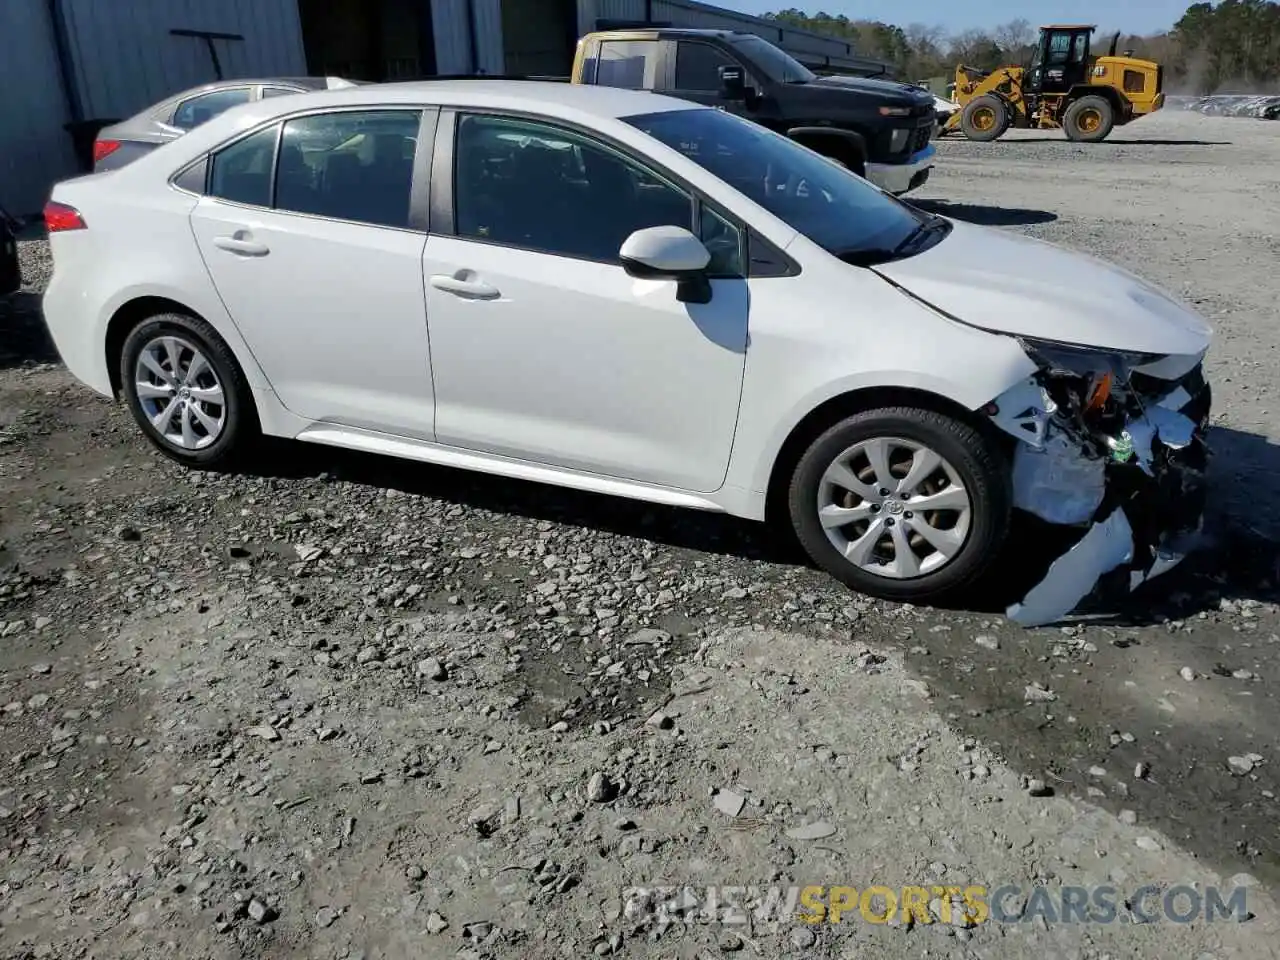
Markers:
{"x": 124, "y": 142}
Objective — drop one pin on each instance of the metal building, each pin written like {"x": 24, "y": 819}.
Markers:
{"x": 69, "y": 65}
{"x": 67, "y": 61}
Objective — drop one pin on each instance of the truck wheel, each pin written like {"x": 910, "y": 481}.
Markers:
{"x": 1089, "y": 119}
{"x": 984, "y": 118}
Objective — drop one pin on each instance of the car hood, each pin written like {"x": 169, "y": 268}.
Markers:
{"x": 873, "y": 85}
{"x": 1016, "y": 285}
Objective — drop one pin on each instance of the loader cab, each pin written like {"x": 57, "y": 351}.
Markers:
{"x": 1061, "y": 59}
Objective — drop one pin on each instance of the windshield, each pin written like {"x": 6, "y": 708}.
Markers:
{"x": 830, "y": 205}
{"x": 776, "y": 64}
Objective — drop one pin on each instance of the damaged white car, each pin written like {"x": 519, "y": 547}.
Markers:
{"x": 623, "y": 293}
{"x": 1108, "y": 431}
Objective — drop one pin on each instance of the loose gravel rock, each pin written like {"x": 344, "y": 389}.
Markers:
{"x": 340, "y": 706}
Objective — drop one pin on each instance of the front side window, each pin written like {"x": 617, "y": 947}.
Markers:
{"x": 242, "y": 172}
{"x": 631, "y": 64}
{"x": 535, "y": 185}
{"x": 355, "y": 165}
{"x": 698, "y": 67}
{"x": 191, "y": 113}
{"x": 826, "y": 202}
{"x": 1059, "y": 47}
{"x": 776, "y": 64}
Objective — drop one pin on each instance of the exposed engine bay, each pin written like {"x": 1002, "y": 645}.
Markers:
{"x": 1112, "y": 443}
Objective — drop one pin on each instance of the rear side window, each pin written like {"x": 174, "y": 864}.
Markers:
{"x": 631, "y": 64}
{"x": 276, "y": 92}
{"x": 698, "y": 67}
{"x": 242, "y": 172}
{"x": 191, "y": 113}
{"x": 349, "y": 166}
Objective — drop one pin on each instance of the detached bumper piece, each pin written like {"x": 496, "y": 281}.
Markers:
{"x": 1125, "y": 461}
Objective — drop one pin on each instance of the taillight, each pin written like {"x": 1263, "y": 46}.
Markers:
{"x": 59, "y": 217}
{"x": 104, "y": 148}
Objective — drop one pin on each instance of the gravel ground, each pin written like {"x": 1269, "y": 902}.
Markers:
{"x": 347, "y": 707}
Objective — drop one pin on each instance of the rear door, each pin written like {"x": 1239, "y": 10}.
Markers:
{"x": 311, "y": 234}
{"x": 629, "y": 64}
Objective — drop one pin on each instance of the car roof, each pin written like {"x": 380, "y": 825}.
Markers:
{"x": 304, "y": 83}
{"x": 480, "y": 93}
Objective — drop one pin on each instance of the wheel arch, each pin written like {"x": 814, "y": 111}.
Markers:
{"x": 1110, "y": 94}
{"x": 846, "y": 404}
{"x": 126, "y": 317}
{"x": 822, "y": 139}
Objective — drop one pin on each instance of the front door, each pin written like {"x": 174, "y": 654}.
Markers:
{"x": 543, "y": 348}
{"x": 315, "y": 262}
{"x": 694, "y": 75}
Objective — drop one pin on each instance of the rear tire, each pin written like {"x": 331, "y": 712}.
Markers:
{"x": 187, "y": 392}
{"x": 893, "y": 545}
{"x": 1089, "y": 120}
{"x": 984, "y": 118}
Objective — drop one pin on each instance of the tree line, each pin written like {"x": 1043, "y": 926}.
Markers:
{"x": 1228, "y": 47}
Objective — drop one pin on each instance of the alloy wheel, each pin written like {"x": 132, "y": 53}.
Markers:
{"x": 180, "y": 393}
{"x": 894, "y": 508}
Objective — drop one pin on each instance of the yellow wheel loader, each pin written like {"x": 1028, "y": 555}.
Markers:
{"x": 1063, "y": 87}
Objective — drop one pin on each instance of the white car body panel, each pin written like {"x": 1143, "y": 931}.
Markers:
{"x": 334, "y": 313}
{"x": 1015, "y": 284}
{"x": 575, "y": 374}
{"x": 805, "y": 336}
{"x": 91, "y": 282}
{"x": 578, "y": 365}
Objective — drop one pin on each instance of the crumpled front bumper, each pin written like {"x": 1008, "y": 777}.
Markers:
{"x": 1135, "y": 481}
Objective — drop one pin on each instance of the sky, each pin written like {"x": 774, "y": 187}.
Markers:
{"x": 1131, "y": 16}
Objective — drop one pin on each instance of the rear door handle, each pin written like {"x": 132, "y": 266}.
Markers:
{"x": 246, "y": 248}
{"x": 472, "y": 289}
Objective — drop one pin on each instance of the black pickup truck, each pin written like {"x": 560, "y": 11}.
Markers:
{"x": 880, "y": 129}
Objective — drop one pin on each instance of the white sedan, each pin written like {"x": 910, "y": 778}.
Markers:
{"x": 624, "y": 293}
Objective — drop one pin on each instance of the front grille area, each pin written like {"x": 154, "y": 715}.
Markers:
{"x": 921, "y": 138}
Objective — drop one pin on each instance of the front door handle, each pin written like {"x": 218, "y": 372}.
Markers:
{"x": 472, "y": 289}
{"x": 246, "y": 248}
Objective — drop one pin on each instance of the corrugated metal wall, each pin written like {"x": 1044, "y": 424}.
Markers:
{"x": 126, "y": 58}
{"x": 33, "y": 146}
{"x": 454, "y": 22}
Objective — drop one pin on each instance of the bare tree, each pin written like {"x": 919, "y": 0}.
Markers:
{"x": 1015, "y": 37}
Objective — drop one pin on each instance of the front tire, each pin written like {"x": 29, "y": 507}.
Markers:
{"x": 1089, "y": 120}
{"x": 187, "y": 392}
{"x": 984, "y": 118}
{"x": 902, "y": 503}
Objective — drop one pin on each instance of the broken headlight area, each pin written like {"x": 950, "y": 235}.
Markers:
{"x": 1110, "y": 444}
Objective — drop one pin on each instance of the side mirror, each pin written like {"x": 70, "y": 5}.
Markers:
{"x": 669, "y": 253}
{"x": 733, "y": 84}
